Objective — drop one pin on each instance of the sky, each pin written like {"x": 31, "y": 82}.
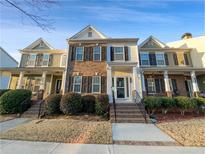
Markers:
{"x": 167, "y": 20}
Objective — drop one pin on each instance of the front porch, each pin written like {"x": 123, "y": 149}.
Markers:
{"x": 41, "y": 81}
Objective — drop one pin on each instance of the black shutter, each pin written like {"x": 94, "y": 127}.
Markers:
{"x": 157, "y": 85}
{"x": 112, "y": 53}
{"x": 103, "y": 53}
{"x": 89, "y": 90}
{"x": 162, "y": 85}
{"x": 84, "y": 84}
{"x": 86, "y": 54}
{"x": 186, "y": 59}
{"x": 126, "y": 53}
{"x": 175, "y": 59}
{"x": 152, "y": 59}
{"x": 73, "y": 53}
{"x": 146, "y": 85}
{"x": 103, "y": 84}
{"x": 174, "y": 85}
{"x": 166, "y": 59}
{"x": 140, "y": 58}
{"x": 70, "y": 85}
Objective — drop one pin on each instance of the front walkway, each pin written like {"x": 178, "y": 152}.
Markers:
{"x": 19, "y": 147}
{"x": 140, "y": 134}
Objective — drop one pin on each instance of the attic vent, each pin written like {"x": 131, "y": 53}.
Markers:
{"x": 89, "y": 34}
{"x": 41, "y": 44}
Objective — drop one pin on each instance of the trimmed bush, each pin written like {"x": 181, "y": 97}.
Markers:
{"x": 184, "y": 104}
{"x": 152, "y": 103}
{"x": 88, "y": 102}
{"x": 102, "y": 105}
{"x": 2, "y": 91}
{"x": 52, "y": 104}
{"x": 71, "y": 103}
{"x": 11, "y": 101}
{"x": 166, "y": 103}
{"x": 199, "y": 101}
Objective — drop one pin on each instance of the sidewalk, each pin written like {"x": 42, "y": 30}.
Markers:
{"x": 27, "y": 147}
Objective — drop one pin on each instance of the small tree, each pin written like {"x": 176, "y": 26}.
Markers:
{"x": 166, "y": 104}
{"x": 152, "y": 103}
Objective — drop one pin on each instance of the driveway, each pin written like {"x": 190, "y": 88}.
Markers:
{"x": 27, "y": 147}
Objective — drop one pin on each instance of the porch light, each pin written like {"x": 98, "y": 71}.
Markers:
{"x": 96, "y": 73}
{"x": 78, "y": 73}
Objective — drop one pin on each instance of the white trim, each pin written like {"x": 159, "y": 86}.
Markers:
{"x": 62, "y": 60}
{"x": 79, "y": 84}
{"x": 161, "y": 44}
{"x": 76, "y": 53}
{"x": 100, "y": 53}
{"x": 51, "y": 84}
{"x": 98, "y": 84}
{"x": 123, "y": 47}
{"x": 145, "y": 52}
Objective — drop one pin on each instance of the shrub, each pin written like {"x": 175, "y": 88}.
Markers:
{"x": 184, "y": 104}
{"x": 71, "y": 103}
{"x": 2, "y": 91}
{"x": 199, "y": 102}
{"x": 102, "y": 105}
{"x": 88, "y": 102}
{"x": 11, "y": 101}
{"x": 52, "y": 104}
{"x": 152, "y": 103}
{"x": 166, "y": 103}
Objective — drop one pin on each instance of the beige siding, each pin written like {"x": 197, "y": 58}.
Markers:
{"x": 13, "y": 82}
{"x": 56, "y": 60}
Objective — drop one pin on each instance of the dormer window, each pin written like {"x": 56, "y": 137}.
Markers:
{"x": 90, "y": 34}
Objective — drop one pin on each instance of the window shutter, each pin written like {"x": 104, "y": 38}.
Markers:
{"x": 166, "y": 59}
{"x": 70, "y": 85}
{"x": 152, "y": 59}
{"x": 72, "y": 53}
{"x": 86, "y": 53}
{"x": 91, "y": 53}
{"x": 89, "y": 90}
{"x": 112, "y": 53}
{"x": 157, "y": 85}
{"x": 84, "y": 84}
{"x": 103, "y": 84}
{"x": 174, "y": 85}
{"x": 175, "y": 59}
{"x": 146, "y": 85}
{"x": 50, "y": 60}
{"x": 140, "y": 59}
{"x": 103, "y": 53}
{"x": 162, "y": 85}
{"x": 126, "y": 53}
{"x": 186, "y": 59}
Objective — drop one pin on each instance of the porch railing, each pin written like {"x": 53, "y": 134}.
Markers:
{"x": 41, "y": 108}
{"x": 114, "y": 104}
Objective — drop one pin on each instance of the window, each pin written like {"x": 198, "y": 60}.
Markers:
{"x": 160, "y": 59}
{"x": 151, "y": 86}
{"x": 79, "y": 53}
{"x": 97, "y": 53}
{"x": 144, "y": 59}
{"x": 186, "y": 60}
{"x": 32, "y": 60}
{"x": 96, "y": 80}
{"x": 118, "y": 53}
{"x": 77, "y": 84}
{"x": 63, "y": 60}
{"x": 90, "y": 34}
{"x": 45, "y": 59}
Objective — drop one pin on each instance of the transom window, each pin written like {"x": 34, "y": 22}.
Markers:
{"x": 96, "y": 84}
{"x": 151, "y": 86}
{"x": 144, "y": 59}
{"x": 118, "y": 53}
{"x": 97, "y": 53}
{"x": 77, "y": 84}
{"x": 45, "y": 59}
{"x": 79, "y": 53}
{"x": 160, "y": 59}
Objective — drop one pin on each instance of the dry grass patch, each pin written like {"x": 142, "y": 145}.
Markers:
{"x": 187, "y": 132}
{"x": 7, "y": 117}
{"x": 62, "y": 130}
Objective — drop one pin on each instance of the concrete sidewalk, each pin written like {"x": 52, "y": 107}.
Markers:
{"x": 27, "y": 147}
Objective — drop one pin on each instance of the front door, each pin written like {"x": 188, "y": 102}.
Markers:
{"x": 58, "y": 86}
{"x": 120, "y": 87}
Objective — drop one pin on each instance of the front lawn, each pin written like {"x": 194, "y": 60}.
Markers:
{"x": 187, "y": 132}
{"x": 62, "y": 130}
{"x": 7, "y": 117}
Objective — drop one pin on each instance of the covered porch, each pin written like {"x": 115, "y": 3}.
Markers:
{"x": 41, "y": 81}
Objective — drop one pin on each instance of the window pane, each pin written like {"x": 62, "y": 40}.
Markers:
{"x": 96, "y": 79}
{"x": 144, "y": 56}
{"x": 78, "y": 79}
{"x": 45, "y": 56}
{"x": 79, "y": 53}
{"x": 32, "y": 56}
{"x": 76, "y": 88}
{"x": 96, "y": 88}
{"x": 118, "y": 56}
{"x": 118, "y": 50}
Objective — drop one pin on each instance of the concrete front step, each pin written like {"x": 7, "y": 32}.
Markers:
{"x": 127, "y": 116}
{"x": 127, "y": 121}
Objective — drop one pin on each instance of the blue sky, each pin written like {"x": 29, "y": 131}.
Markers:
{"x": 165, "y": 19}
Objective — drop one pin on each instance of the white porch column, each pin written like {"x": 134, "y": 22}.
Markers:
{"x": 20, "y": 80}
{"x": 143, "y": 83}
{"x": 134, "y": 73}
{"x": 194, "y": 83}
{"x": 63, "y": 82}
{"x": 109, "y": 82}
{"x": 138, "y": 81}
{"x": 43, "y": 81}
{"x": 167, "y": 85}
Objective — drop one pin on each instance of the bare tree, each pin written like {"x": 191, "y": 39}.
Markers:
{"x": 33, "y": 9}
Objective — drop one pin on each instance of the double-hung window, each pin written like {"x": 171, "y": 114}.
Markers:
{"x": 79, "y": 53}
{"x": 97, "y": 53}
{"x": 63, "y": 60}
{"x": 160, "y": 59}
{"x": 144, "y": 57}
{"x": 32, "y": 60}
{"x": 151, "y": 86}
{"x": 45, "y": 59}
{"x": 119, "y": 53}
{"x": 77, "y": 84}
{"x": 96, "y": 84}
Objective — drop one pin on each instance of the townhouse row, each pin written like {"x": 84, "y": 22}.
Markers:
{"x": 95, "y": 63}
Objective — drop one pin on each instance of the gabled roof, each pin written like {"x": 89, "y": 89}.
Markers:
{"x": 37, "y": 42}
{"x": 1, "y": 49}
{"x": 155, "y": 40}
{"x": 89, "y": 27}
